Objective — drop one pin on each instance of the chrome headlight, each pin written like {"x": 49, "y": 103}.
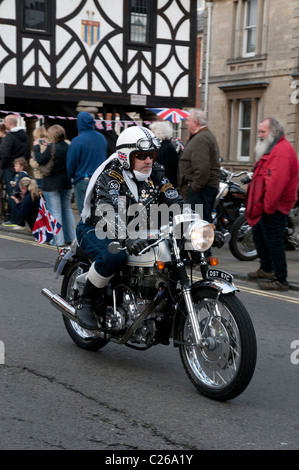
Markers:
{"x": 201, "y": 235}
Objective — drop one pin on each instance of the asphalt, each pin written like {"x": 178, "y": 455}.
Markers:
{"x": 226, "y": 261}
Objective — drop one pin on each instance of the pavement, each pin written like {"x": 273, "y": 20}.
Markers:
{"x": 240, "y": 269}
{"x": 227, "y": 262}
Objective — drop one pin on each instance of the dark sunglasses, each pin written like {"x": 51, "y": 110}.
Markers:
{"x": 144, "y": 155}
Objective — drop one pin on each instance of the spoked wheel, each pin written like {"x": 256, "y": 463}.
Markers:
{"x": 241, "y": 243}
{"x": 223, "y": 368}
{"x": 69, "y": 291}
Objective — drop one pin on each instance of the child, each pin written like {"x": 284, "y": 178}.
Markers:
{"x": 20, "y": 166}
{"x": 28, "y": 203}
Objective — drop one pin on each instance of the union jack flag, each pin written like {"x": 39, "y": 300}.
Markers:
{"x": 174, "y": 115}
{"x": 122, "y": 156}
{"x": 45, "y": 226}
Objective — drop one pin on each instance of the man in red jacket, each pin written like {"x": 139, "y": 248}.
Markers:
{"x": 271, "y": 195}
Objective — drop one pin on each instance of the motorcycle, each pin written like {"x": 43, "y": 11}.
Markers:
{"x": 154, "y": 299}
{"x": 292, "y": 231}
{"x": 229, "y": 215}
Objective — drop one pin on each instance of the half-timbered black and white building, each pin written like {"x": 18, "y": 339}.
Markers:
{"x": 114, "y": 55}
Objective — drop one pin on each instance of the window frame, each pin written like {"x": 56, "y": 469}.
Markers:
{"x": 249, "y": 28}
{"x": 240, "y": 31}
{"x": 234, "y": 95}
{"x": 40, "y": 32}
{"x": 151, "y": 6}
{"x": 242, "y": 129}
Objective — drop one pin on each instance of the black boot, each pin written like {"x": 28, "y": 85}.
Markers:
{"x": 85, "y": 309}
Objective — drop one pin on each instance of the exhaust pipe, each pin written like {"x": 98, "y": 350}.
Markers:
{"x": 62, "y": 305}
{"x": 69, "y": 311}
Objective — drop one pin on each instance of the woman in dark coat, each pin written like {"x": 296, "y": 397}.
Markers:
{"x": 167, "y": 154}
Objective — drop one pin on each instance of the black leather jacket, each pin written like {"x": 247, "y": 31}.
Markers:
{"x": 111, "y": 190}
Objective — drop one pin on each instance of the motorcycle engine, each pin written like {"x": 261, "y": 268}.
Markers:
{"x": 141, "y": 288}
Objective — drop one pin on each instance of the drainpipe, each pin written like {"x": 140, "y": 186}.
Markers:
{"x": 209, "y": 6}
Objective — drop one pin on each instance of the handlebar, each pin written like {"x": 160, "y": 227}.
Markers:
{"x": 231, "y": 175}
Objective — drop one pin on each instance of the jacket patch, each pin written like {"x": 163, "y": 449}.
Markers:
{"x": 165, "y": 187}
{"x": 171, "y": 194}
{"x": 116, "y": 175}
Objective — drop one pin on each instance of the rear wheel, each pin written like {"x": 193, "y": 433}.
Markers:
{"x": 241, "y": 243}
{"x": 224, "y": 367}
{"x": 69, "y": 291}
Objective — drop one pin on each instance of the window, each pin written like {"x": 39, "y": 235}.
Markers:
{"x": 249, "y": 35}
{"x": 250, "y": 26}
{"x": 243, "y": 115}
{"x": 243, "y": 118}
{"x": 244, "y": 129}
{"x": 139, "y": 21}
{"x": 35, "y": 15}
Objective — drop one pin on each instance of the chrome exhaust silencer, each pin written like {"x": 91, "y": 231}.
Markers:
{"x": 70, "y": 312}
{"x": 60, "y": 304}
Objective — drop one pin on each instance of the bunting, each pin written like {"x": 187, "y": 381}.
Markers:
{"x": 100, "y": 123}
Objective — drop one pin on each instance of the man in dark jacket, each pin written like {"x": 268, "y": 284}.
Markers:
{"x": 199, "y": 167}
{"x": 86, "y": 152}
{"x": 129, "y": 177}
{"x": 16, "y": 144}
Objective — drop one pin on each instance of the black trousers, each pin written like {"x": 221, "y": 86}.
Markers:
{"x": 268, "y": 235}
{"x": 205, "y": 198}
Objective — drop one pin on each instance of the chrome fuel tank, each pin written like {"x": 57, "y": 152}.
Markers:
{"x": 158, "y": 253}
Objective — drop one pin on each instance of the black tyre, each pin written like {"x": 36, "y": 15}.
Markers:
{"x": 223, "y": 370}
{"x": 83, "y": 338}
{"x": 241, "y": 243}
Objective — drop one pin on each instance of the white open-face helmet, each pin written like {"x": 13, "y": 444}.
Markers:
{"x": 136, "y": 142}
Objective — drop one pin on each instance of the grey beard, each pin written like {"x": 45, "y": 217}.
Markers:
{"x": 263, "y": 145}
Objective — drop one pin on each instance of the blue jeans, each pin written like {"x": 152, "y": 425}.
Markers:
{"x": 80, "y": 190}
{"x": 268, "y": 236}
{"x": 8, "y": 176}
{"x": 106, "y": 264}
{"x": 59, "y": 206}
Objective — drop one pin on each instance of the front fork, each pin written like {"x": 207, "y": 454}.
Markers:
{"x": 186, "y": 290}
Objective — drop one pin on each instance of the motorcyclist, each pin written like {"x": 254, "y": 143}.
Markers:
{"x": 129, "y": 176}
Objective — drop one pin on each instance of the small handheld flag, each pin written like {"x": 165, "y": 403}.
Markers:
{"x": 45, "y": 226}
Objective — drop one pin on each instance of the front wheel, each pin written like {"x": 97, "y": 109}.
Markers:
{"x": 69, "y": 291}
{"x": 241, "y": 243}
{"x": 223, "y": 368}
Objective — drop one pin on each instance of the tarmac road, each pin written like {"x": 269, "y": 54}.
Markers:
{"x": 54, "y": 395}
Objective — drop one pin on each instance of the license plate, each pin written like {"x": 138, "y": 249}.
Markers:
{"x": 216, "y": 273}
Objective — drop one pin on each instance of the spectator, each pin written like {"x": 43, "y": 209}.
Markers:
{"x": 3, "y": 133}
{"x": 20, "y": 166}
{"x": 27, "y": 204}
{"x": 199, "y": 167}
{"x": 271, "y": 195}
{"x": 167, "y": 154}
{"x": 16, "y": 144}
{"x": 40, "y": 143}
{"x": 86, "y": 152}
{"x": 57, "y": 187}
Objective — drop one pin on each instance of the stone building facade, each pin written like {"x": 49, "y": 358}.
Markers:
{"x": 253, "y": 73}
